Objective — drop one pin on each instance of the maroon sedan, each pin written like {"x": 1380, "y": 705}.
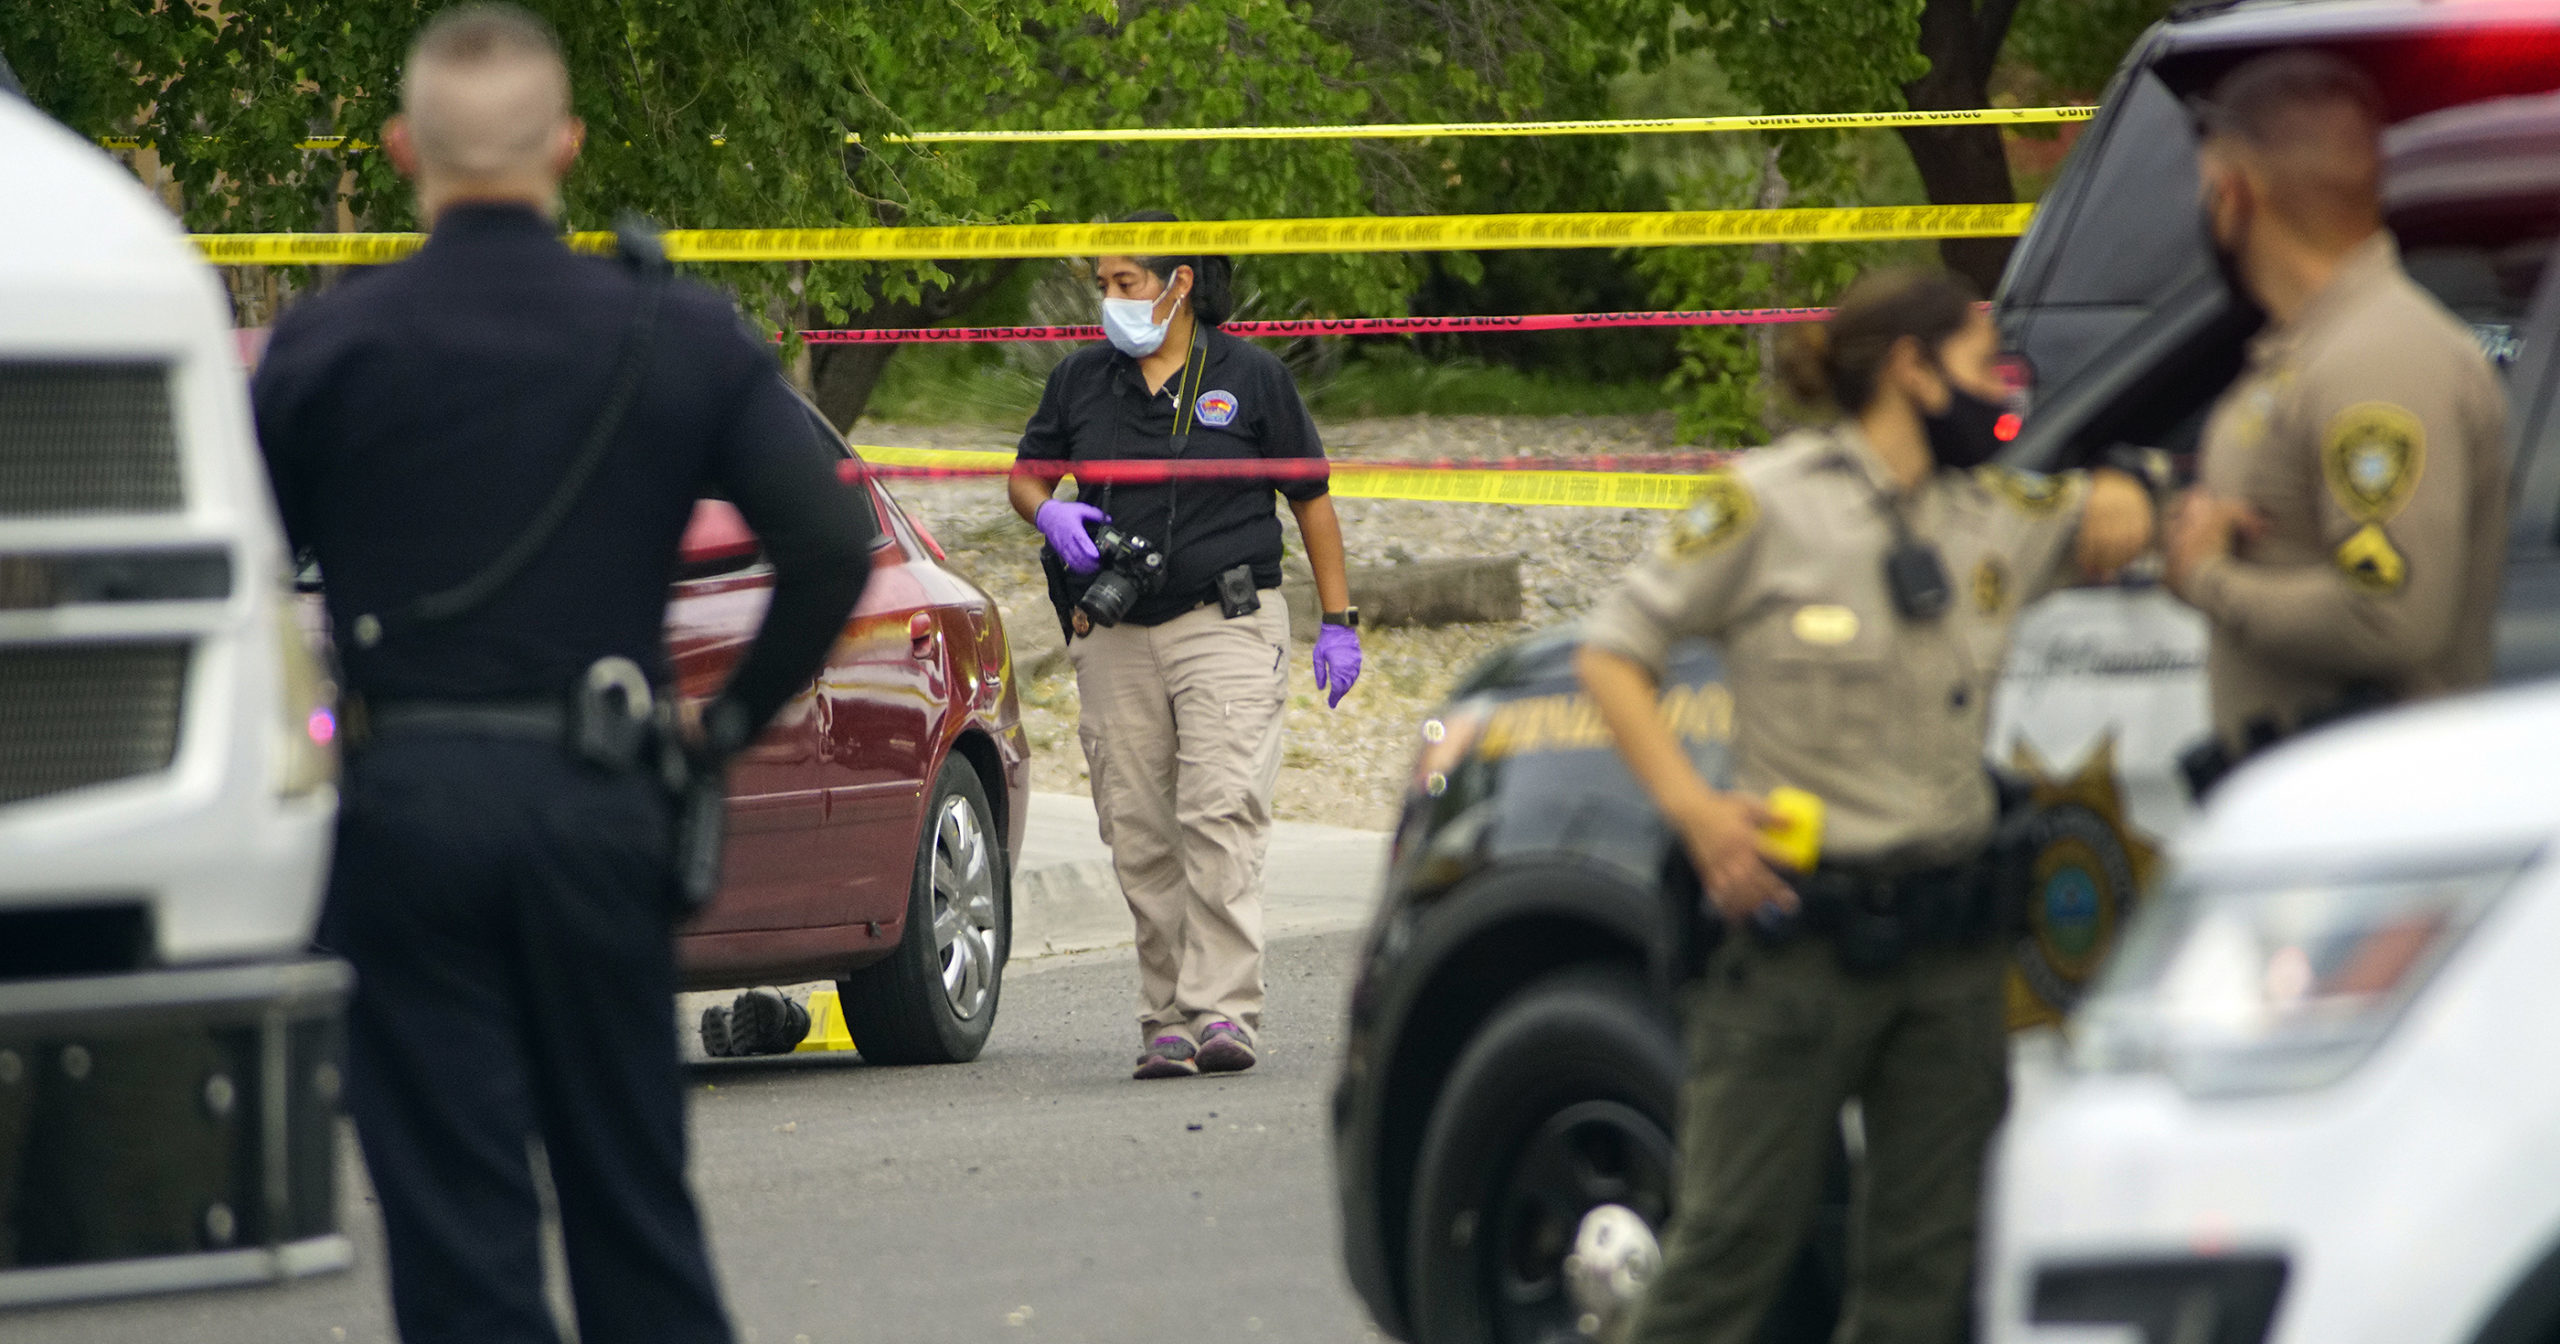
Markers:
{"x": 873, "y": 827}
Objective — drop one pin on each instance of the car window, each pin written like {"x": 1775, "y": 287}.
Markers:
{"x": 2488, "y": 280}
{"x": 2140, "y": 229}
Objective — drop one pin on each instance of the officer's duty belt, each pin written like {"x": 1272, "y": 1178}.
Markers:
{"x": 531, "y": 720}
{"x": 1877, "y": 917}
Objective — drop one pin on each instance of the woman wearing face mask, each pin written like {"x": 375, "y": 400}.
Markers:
{"x": 1182, "y": 662}
{"x": 1860, "y": 582}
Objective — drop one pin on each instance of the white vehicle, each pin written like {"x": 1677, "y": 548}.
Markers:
{"x": 168, "y": 1043}
{"x": 2311, "y": 1101}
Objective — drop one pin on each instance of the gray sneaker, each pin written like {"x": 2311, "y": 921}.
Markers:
{"x": 1614, "y": 1256}
{"x": 1168, "y": 1057}
{"x": 1223, "y": 1049}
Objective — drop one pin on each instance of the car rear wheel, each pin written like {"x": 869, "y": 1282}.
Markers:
{"x": 1562, "y": 1102}
{"x": 933, "y": 1000}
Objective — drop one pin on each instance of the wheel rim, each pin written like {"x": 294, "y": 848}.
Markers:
{"x": 964, "y": 907}
{"x": 1588, "y": 1154}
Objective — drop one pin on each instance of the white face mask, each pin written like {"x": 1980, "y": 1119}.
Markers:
{"x": 1132, "y": 326}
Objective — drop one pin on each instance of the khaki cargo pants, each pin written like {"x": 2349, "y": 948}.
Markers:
{"x": 1181, "y": 730}
{"x": 1780, "y": 1039}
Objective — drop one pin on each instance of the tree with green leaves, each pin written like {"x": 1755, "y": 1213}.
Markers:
{"x": 707, "y": 114}
{"x": 1926, "y": 55}
{"x": 1783, "y": 56}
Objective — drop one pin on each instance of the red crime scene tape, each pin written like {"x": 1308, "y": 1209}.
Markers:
{"x": 1338, "y": 326}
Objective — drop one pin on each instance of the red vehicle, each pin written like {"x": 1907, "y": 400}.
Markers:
{"x": 873, "y": 827}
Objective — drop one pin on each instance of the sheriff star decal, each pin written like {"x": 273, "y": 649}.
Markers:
{"x": 1723, "y": 511}
{"x": 2373, "y": 455}
{"x": 2086, "y": 867}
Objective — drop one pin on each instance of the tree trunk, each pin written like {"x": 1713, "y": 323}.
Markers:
{"x": 1962, "y": 165}
{"x": 843, "y": 377}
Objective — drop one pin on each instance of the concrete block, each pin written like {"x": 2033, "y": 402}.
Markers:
{"x": 1463, "y": 591}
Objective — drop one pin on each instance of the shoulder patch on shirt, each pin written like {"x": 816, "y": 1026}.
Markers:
{"x": 2372, "y": 455}
{"x": 1723, "y": 511}
{"x": 2371, "y": 562}
{"x": 1216, "y": 408}
{"x": 2032, "y": 493}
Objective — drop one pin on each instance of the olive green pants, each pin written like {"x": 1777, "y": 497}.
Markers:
{"x": 1780, "y": 1038}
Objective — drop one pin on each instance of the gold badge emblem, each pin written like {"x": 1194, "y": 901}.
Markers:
{"x": 2372, "y": 562}
{"x": 2373, "y": 456}
{"x": 2033, "y": 493}
{"x": 1991, "y": 585}
{"x": 1826, "y": 625}
{"x": 1722, "y": 511}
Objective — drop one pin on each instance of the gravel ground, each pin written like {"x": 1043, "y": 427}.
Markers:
{"x": 1344, "y": 766}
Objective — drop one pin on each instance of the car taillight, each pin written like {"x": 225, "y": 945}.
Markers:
{"x": 307, "y": 726}
{"x": 2018, "y": 377}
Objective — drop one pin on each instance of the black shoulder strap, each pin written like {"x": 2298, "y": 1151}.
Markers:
{"x": 641, "y": 249}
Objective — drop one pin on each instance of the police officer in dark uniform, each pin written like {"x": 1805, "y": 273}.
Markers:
{"x": 493, "y": 449}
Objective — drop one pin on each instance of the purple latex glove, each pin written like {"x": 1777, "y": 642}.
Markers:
{"x": 1063, "y": 522}
{"x": 1337, "y": 661}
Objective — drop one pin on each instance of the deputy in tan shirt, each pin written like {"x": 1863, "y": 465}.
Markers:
{"x": 1853, "y": 687}
{"x": 2348, "y": 534}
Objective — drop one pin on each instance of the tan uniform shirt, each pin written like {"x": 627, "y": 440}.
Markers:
{"x": 2371, "y": 432}
{"x": 1781, "y": 563}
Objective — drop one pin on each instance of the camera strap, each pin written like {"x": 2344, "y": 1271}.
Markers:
{"x": 641, "y": 249}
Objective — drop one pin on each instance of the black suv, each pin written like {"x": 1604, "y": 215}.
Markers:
{"x": 1513, "y": 1059}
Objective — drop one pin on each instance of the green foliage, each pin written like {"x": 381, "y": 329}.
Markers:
{"x": 2074, "y": 45}
{"x": 1393, "y": 380}
{"x": 978, "y": 385}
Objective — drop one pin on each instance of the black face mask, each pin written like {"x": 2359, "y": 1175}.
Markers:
{"x": 1965, "y": 434}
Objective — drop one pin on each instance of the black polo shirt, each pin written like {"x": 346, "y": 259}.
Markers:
{"x": 417, "y": 416}
{"x": 1097, "y": 409}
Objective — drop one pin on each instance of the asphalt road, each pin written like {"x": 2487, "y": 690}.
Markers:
{"x": 1037, "y": 1194}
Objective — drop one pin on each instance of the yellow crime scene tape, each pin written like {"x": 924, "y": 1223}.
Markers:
{"x": 1413, "y": 130}
{"x": 1434, "y": 130}
{"x": 1351, "y": 480}
{"x": 1413, "y": 233}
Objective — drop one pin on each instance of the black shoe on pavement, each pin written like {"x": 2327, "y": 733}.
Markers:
{"x": 715, "y": 1033}
{"x": 1168, "y": 1057}
{"x": 764, "y": 1022}
{"x": 1223, "y": 1049}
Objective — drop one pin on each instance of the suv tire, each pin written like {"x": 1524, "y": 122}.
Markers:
{"x": 933, "y": 1000}
{"x": 1563, "y": 1101}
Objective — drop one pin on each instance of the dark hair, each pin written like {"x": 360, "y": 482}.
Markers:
{"x": 1212, "y": 278}
{"x": 2262, "y": 100}
{"x": 2313, "y": 124}
{"x": 1839, "y": 360}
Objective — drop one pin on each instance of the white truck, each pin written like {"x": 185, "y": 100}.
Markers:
{"x": 2311, "y": 1102}
{"x": 169, "y": 1042}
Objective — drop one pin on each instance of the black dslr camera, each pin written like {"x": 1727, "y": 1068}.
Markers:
{"x": 1132, "y": 568}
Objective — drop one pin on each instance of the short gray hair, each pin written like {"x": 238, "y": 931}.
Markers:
{"x": 485, "y": 90}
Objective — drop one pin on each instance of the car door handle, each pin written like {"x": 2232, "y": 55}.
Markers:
{"x": 921, "y": 634}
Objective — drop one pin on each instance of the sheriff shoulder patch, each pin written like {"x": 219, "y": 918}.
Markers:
{"x": 1723, "y": 511}
{"x": 2372, "y": 455}
{"x": 2034, "y": 493}
{"x": 2371, "y": 562}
